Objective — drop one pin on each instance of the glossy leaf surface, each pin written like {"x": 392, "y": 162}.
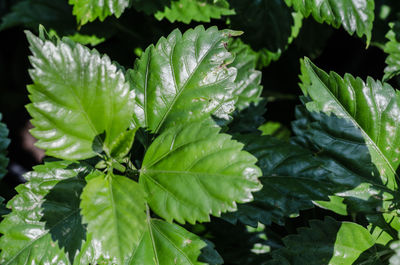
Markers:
{"x": 114, "y": 209}
{"x": 197, "y": 10}
{"x": 325, "y": 242}
{"x": 4, "y": 142}
{"x": 184, "y": 79}
{"x": 248, "y": 88}
{"x": 89, "y": 10}
{"x": 45, "y": 217}
{"x": 180, "y": 166}
{"x": 353, "y": 15}
{"x": 371, "y": 106}
{"x": 392, "y": 48}
{"x": 167, "y": 244}
{"x": 77, "y": 97}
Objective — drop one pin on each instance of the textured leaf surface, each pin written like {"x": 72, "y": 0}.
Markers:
{"x": 198, "y": 10}
{"x": 392, "y": 48}
{"x": 88, "y": 10}
{"x": 330, "y": 158}
{"x": 395, "y": 259}
{"x": 77, "y": 95}
{"x": 354, "y": 15}
{"x": 180, "y": 166}
{"x": 183, "y": 79}
{"x": 114, "y": 209}
{"x": 45, "y": 217}
{"x": 167, "y": 244}
{"x": 325, "y": 242}
{"x": 371, "y": 106}
{"x": 248, "y": 88}
{"x": 4, "y": 142}
{"x": 266, "y": 23}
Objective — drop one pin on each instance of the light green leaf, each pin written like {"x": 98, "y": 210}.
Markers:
{"x": 4, "y": 142}
{"x": 167, "y": 244}
{"x": 180, "y": 165}
{"x": 248, "y": 88}
{"x": 353, "y": 15}
{"x": 83, "y": 39}
{"x": 45, "y": 217}
{"x": 275, "y": 129}
{"x": 325, "y": 242}
{"x": 392, "y": 48}
{"x": 184, "y": 78}
{"x": 198, "y": 10}
{"x": 371, "y": 106}
{"x": 77, "y": 96}
{"x": 395, "y": 259}
{"x": 113, "y": 206}
{"x": 89, "y": 10}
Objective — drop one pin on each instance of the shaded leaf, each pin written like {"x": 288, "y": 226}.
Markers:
{"x": 180, "y": 165}
{"x": 4, "y": 142}
{"x": 77, "y": 95}
{"x": 275, "y": 129}
{"x": 184, "y": 79}
{"x": 353, "y": 15}
{"x": 197, "y": 10}
{"x": 325, "y": 242}
{"x": 167, "y": 243}
{"x": 373, "y": 107}
{"x": 45, "y": 216}
{"x": 113, "y": 206}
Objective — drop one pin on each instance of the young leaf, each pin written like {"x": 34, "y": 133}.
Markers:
{"x": 113, "y": 206}
{"x": 196, "y": 161}
{"x": 183, "y": 79}
{"x": 198, "y": 10}
{"x": 248, "y": 88}
{"x": 373, "y": 107}
{"x": 88, "y": 10}
{"x": 4, "y": 142}
{"x": 45, "y": 217}
{"x": 169, "y": 244}
{"x": 77, "y": 96}
{"x": 325, "y": 242}
{"x": 353, "y": 15}
{"x": 392, "y": 48}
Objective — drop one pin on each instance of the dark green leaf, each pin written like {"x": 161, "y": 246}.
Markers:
{"x": 4, "y": 142}
{"x": 77, "y": 95}
{"x": 180, "y": 166}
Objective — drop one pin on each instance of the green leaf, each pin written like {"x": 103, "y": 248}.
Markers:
{"x": 198, "y": 10}
{"x": 371, "y": 106}
{"x": 266, "y": 23}
{"x": 325, "y": 242}
{"x": 353, "y": 15}
{"x": 113, "y": 206}
{"x": 89, "y": 10}
{"x": 248, "y": 88}
{"x": 180, "y": 165}
{"x": 395, "y": 259}
{"x": 45, "y": 217}
{"x": 392, "y": 48}
{"x": 150, "y": 6}
{"x": 83, "y": 39}
{"x": 4, "y": 142}
{"x": 3, "y": 209}
{"x": 169, "y": 244}
{"x": 184, "y": 78}
{"x": 77, "y": 96}
{"x": 275, "y": 129}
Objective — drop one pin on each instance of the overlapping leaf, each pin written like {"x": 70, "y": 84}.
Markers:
{"x": 4, "y": 142}
{"x": 392, "y": 48}
{"x": 371, "y": 106}
{"x": 167, "y": 243}
{"x": 197, "y": 10}
{"x": 77, "y": 97}
{"x": 180, "y": 165}
{"x": 184, "y": 78}
{"x": 353, "y": 15}
{"x": 325, "y": 242}
{"x": 89, "y": 10}
{"x": 114, "y": 209}
{"x": 45, "y": 217}
{"x": 248, "y": 88}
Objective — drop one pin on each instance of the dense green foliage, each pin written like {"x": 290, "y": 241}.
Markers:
{"x": 173, "y": 158}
